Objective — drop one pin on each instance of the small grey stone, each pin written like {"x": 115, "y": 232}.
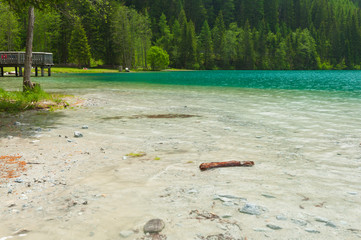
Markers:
{"x": 69, "y": 140}
{"x": 10, "y": 137}
{"x": 38, "y": 129}
{"x": 17, "y": 123}
{"x": 252, "y": 209}
{"x": 321, "y": 219}
{"x": 311, "y": 230}
{"x": 229, "y": 197}
{"x": 353, "y": 193}
{"x": 192, "y": 191}
{"x": 268, "y": 196}
{"x": 281, "y": 217}
{"x": 10, "y": 191}
{"x": 274, "y": 227}
{"x": 331, "y": 224}
{"x": 85, "y": 127}
{"x": 11, "y": 205}
{"x": 125, "y": 234}
{"x": 154, "y": 226}
{"x": 299, "y": 222}
{"x": 78, "y": 134}
{"x": 18, "y": 180}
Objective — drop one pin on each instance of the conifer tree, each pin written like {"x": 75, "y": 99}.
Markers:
{"x": 206, "y": 46}
{"x": 175, "y": 56}
{"x": 79, "y": 49}
{"x": 248, "y": 48}
{"x": 191, "y": 50}
{"x": 218, "y": 38}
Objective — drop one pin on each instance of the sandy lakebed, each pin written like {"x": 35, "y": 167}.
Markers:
{"x": 139, "y": 157}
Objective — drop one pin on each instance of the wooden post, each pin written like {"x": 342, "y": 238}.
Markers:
{"x": 36, "y": 71}
{"x": 16, "y": 71}
{"x": 21, "y": 71}
{"x": 42, "y": 71}
{"x": 2, "y": 71}
{"x": 49, "y": 71}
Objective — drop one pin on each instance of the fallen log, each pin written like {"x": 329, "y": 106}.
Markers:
{"x": 206, "y": 166}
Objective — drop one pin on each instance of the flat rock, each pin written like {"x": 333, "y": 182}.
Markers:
{"x": 154, "y": 226}
{"x": 252, "y": 209}
{"x": 273, "y": 227}
{"x": 331, "y": 224}
{"x": 321, "y": 219}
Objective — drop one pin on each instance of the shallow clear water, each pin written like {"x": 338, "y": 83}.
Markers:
{"x": 302, "y": 129}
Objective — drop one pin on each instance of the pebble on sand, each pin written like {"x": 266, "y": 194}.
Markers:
{"x": 125, "y": 234}
{"x": 252, "y": 209}
{"x": 154, "y": 226}
{"x": 78, "y": 134}
{"x": 274, "y": 227}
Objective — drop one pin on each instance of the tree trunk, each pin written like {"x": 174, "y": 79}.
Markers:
{"x": 27, "y": 84}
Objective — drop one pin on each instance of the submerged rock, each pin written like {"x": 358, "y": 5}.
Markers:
{"x": 331, "y": 224}
{"x": 273, "y": 227}
{"x": 125, "y": 234}
{"x": 311, "y": 230}
{"x": 252, "y": 209}
{"x": 299, "y": 222}
{"x": 154, "y": 226}
{"x": 281, "y": 217}
{"x": 78, "y": 134}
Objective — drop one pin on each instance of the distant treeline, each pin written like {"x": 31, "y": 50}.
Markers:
{"x": 197, "y": 34}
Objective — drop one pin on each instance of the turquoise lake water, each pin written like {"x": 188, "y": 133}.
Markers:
{"x": 348, "y": 82}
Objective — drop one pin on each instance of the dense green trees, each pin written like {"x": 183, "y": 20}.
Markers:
{"x": 197, "y": 34}
{"x": 158, "y": 58}
{"x": 79, "y": 49}
{"x": 9, "y": 31}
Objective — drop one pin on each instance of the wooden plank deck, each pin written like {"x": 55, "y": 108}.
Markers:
{"x": 17, "y": 59}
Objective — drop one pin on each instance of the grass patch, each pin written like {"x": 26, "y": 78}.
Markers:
{"x": 80, "y": 70}
{"x": 37, "y": 98}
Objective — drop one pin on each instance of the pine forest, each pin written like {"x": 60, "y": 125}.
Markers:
{"x": 195, "y": 34}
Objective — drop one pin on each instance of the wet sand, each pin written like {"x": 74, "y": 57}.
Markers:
{"x": 304, "y": 185}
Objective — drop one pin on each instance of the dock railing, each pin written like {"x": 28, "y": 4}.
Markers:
{"x": 17, "y": 60}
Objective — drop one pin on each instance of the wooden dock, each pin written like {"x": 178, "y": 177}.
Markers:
{"x": 17, "y": 59}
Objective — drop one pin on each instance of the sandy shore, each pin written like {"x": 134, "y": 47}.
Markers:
{"x": 139, "y": 157}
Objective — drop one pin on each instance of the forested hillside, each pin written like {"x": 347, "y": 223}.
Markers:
{"x": 197, "y": 34}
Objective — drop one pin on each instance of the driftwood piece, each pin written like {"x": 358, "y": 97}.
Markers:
{"x": 206, "y": 166}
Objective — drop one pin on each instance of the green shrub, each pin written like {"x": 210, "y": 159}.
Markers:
{"x": 21, "y": 101}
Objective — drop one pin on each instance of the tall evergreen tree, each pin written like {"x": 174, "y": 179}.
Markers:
{"x": 79, "y": 49}
{"x": 248, "y": 58}
{"x": 218, "y": 38}
{"x": 206, "y": 47}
